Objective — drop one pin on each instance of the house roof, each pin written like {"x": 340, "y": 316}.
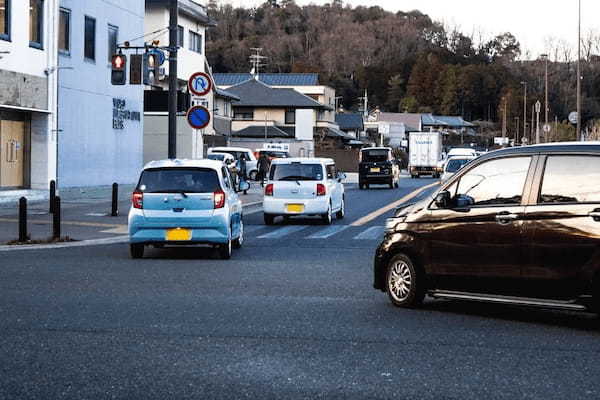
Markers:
{"x": 336, "y": 133}
{"x": 258, "y": 131}
{"x": 226, "y": 94}
{"x": 412, "y": 122}
{"x": 269, "y": 79}
{"x": 451, "y": 121}
{"x": 253, "y": 93}
{"x": 349, "y": 121}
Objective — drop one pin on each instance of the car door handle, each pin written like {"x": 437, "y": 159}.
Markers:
{"x": 506, "y": 218}
{"x": 595, "y": 215}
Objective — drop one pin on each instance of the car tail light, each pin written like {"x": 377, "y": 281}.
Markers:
{"x": 219, "y": 197}
{"x": 321, "y": 191}
{"x": 269, "y": 190}
{"x": 137, "y": 200}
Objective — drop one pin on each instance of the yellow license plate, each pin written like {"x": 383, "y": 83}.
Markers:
{"x": 375, "y": 169}
{"x": 178, "y": 234}
{"x": 295, "y": 208}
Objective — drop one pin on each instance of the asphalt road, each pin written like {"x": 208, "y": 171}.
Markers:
{"x": 292, "y": 315}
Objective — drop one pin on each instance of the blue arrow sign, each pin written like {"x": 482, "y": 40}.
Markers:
{"x": 198, "y": 117}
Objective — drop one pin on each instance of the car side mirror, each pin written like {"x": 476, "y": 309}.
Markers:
{"x": 341, "y": 176}
{"x": 443, "y": 199}
{"x": 243, "y": 186}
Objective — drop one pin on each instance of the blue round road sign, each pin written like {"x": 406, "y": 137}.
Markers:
{"x": 198, "y": 117}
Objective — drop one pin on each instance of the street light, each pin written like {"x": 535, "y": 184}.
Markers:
{"x": 524, "y": 111}
{"x": 545, "y": 58}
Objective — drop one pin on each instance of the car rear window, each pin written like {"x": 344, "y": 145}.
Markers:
{"x": 375, "y": 155}
{"x": 455, "y": 164}
{"x": 296, "y": 172}
{"x": 175, "y": 180}
{"x": 214, "y": 156}
{"x": 571, "y": 179}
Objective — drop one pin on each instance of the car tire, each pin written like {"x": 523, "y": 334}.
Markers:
{"x": 225, "y": 250}
{"x": 327, "y": 217}
{"x": 342, "y": 212}
{"x": 253, "y": 175}
{"x": 404, "y": 282}
{"x": 239, "y": 241}
{"x": 136, "y": 250}
{"x": 269, "y": 219}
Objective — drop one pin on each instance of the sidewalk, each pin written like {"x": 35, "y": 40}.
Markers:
{"x": 85, "y": 213}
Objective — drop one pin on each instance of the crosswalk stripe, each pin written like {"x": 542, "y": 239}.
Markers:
{"x": 284, "y": 231}
{"x": 329, "y": 231}
{"x": 372, "y": 233}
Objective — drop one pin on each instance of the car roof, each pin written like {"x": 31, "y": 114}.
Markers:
{"x": 546, "y": 148}
{"x": 222, "y": 148}
{"x": 462, "y": 157}
{"x": 375, "y": 148}
{"x": 303, "y": 160}
{"x": 182, "y": 163}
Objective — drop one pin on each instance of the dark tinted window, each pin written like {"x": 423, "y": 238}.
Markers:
{"x": 375, "y": 155}
{"x": 174, "y": 180}
{"x": 290, "y": 117}
{"x": 455, "y": 164}
{"x": 571, "y": 179}
{"x": 89, "y": 39}
{"x": 64, "y": 30}
{"x": 179, "y": 36}
{"x": 495, "y": 182}
{"x": 214, "y": 156}
{"x": 195, "y": 42}
{"x": 296, "y": 172}
{"x": 36, "y": 23}
{"x": 113, "y": 37}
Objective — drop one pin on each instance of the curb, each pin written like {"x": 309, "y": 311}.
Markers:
{"x": 83, "y": 243}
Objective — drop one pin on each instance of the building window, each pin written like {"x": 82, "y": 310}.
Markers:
{"x": 195, "y": 42}
{"x": 243, "y": 113}
{"x": 290, "y": 117}
{"x": 179, "y": 36}
{"x": 36, "y": 23}
{"x": 64, "y": 31}
{"x": 89, "y": 39}
{"x": 4, "y": 19}
{"x": 113, "y": 37}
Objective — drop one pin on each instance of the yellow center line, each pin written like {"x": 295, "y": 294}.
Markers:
{"x": 370, "y": 217}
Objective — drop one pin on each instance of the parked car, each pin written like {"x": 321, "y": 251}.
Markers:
{"x": 271, "y": 154}
{"x": 185, "y": 202}
{"x": 515, "y": 226}
{"x": 377, "y": 165}
{"x": 454, "y": 164}
{"x": 236, "y": 152}
{"x": 461, "y": 151}
{"x": 306, "y": 187}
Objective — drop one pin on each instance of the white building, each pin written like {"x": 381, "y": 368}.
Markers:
{"x": 28, "y": 93}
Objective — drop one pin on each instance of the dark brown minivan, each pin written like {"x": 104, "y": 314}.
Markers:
{"x": 516, "y": 226}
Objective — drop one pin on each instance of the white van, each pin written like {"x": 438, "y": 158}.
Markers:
{"x": 236, "y": 152}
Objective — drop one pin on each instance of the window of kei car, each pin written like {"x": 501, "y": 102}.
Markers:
{"x": 379, "y": 155}
{"x": 493, "y": 183}
{"x": 571, "y": 179}
{"x": 179, "y": 180}
{"x": 296, "y": 172}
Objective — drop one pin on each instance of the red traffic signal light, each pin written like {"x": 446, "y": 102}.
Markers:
{"x": 119, "y": 73}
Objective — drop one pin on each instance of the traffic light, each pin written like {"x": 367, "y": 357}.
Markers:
{"x": 135, "y": 69}
{"x": 150, "y": 68}
{"x": 119, "y": 69}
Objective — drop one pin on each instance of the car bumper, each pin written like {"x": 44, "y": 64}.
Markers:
{"x": 311, "y": 207}
{"x": 380, "y": 178}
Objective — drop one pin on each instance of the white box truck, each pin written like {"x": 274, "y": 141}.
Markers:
{"x": 424, "y": 154}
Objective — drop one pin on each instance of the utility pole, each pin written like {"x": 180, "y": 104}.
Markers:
{"x": 578, "y": 137}
{"x": 517, "y": 131}
{"x": 256, "y": 61}
{"x": 173, "y": 11}
{"x": 545, "y": 57}
{"x": 524, "y": 112}
{"x": 538, "y": 107}
{"x": 530, "y": 138}
{"x": 504, "y": 122}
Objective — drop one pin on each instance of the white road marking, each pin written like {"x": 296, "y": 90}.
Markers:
{"x": 373, "y": 233}
{"x": 329, "y": 231}
{"x": 91, "y": 242}
{"x": 284, "y": 231}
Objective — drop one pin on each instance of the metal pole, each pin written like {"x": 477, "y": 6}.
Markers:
{"x": 546, "y": 96}
{"x": 524, "y": 112}
{"x": 22, "y": 219}
{"x": 579, "y": 75}
{"x": 115, "y": 200}
{"x": 537, "y": 126}
{"x": 173, "y": 11}
{"x": 52, "y": 195}
{"x": 517, "y": 131}
{"x": 532, "y": 125}
{"x": 56, "y": 219}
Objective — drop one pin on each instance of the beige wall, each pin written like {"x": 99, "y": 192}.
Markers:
{"x": 189, "y": 142}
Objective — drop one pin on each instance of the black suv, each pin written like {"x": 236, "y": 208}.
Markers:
{"x": 515, "y": 226}
{"x": 377, "y": 165}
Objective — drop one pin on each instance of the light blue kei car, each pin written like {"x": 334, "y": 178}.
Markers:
{"x": 186, "y": 202}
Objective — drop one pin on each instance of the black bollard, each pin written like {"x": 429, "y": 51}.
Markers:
{"x": 22, "y": 219}
{"x": 115, "y": 200}
{"x": 56, "y": 219}
{"x": 52, "y": 195}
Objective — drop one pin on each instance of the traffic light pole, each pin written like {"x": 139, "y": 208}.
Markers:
{"x": 173, "y": 11}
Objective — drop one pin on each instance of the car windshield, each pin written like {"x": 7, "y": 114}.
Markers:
{"x": 375, "y": 155}
{"x": 276, "y": 154}
{"x": 218, "y": 157}
{"x": 179, "y": 180}
{"x": 454, "y": 164}
{"x": 296, "y": 172}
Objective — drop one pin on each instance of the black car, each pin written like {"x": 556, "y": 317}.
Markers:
{"x": 515, "y": 226}
{"x": 377, "y": 165}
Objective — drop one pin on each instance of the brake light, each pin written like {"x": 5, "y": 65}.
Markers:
{"x": 321, "y": 191}
{"x": 269, "y": 190}
{"x": 219, "y": 198}
{"x": 137, "y": 200}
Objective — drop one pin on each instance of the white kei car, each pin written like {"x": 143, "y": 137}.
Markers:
{"x": 304, "y": 186}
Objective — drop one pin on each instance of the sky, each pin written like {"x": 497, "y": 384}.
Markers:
{"x": 531, "y": 21}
